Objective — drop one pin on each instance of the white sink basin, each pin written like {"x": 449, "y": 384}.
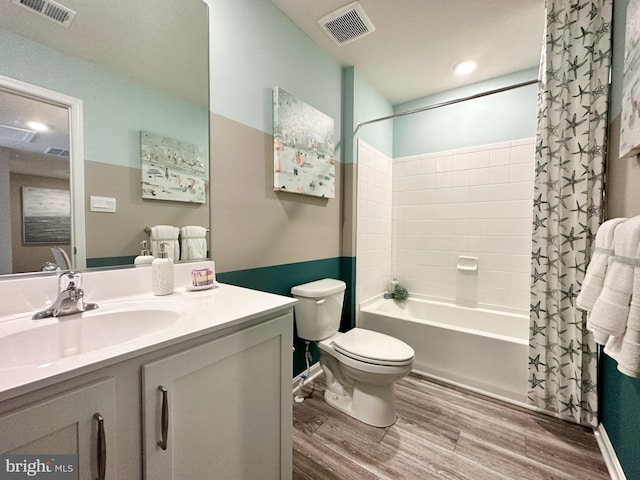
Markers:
{"x": 82, "y": 333}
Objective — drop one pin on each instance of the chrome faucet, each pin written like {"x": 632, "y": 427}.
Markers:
{"x": 70, "y": 298}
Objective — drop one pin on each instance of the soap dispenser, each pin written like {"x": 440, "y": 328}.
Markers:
{"x": 145, "y": 257}
{"x": 162, "y": 272}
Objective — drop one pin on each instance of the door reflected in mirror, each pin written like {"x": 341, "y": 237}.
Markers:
{"x": 135, "y": 65}
{"x": 42, "y": 222}
{"x": 34, "y": 169}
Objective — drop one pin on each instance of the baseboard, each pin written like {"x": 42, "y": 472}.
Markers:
{"x": 608, "y": 453}
{"x": 314, "y": 371}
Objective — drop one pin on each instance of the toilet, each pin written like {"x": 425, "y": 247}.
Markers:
{"x": 360, "y": 366}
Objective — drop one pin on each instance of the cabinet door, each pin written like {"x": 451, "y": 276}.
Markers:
{"x": 227, "y": 408}
{"x": 80, "y": 422}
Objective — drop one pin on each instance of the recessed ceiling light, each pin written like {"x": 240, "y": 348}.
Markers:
{"x": 37, "y": 126}
{"x": 465, "y": 67}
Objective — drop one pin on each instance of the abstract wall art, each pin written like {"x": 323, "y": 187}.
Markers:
{"x": 172, "y": 169}
{"x": 46, "y": 216}
{"x": 630, "y": 115}
{"x": 303, "y": 148}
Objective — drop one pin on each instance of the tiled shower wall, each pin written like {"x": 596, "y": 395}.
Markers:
{"x": 374, "y": 223}
{"x": 474, "y": 202}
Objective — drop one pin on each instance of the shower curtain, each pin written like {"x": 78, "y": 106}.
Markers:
{"x": 568, "y": 204}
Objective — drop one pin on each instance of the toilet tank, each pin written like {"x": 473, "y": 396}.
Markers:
{"x": 319, "y": 308}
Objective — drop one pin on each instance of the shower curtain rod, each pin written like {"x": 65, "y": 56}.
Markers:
{"x": 448, "y": 102}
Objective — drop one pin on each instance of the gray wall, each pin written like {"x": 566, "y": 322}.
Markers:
{"x": 254, "y": 48}
{"x": 119, "y": 234}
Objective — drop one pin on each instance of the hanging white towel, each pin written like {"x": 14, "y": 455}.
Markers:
{"x": 194, "y": 242}
{"x": 601, "y": 260}
{"x": 611, "y": 309}
{"x": 625, "y": 349}
{"x": 169, "y": 235}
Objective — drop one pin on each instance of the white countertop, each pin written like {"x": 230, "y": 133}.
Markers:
{"x": 200, "y": 313}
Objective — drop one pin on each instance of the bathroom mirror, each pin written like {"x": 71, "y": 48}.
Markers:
{"x": 134, "y": 66}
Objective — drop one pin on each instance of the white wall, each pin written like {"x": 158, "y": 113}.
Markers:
{"x": 474, "y": 201}
{"x": 374, "y": 208}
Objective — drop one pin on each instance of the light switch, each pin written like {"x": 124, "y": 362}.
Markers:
{"x": 102, "y": 204}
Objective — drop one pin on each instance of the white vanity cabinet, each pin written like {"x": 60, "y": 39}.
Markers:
{"x": 221, "y": 410}
{"x": 224, "y": 356}
{"x": 227, "y": 408}
{"x": 78, "y": 422}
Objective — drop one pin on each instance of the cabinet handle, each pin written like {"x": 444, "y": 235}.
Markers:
{"x": 165, "y": 418}
{"x": 101, "y": 448}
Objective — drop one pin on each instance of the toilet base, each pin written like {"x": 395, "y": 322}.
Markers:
{"x": 373, "y": 405}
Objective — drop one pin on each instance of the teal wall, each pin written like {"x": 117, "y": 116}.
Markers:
{"x": 115, "y": 108}
{"x": 495, "y": 118}
{"x": 620, "y": 398}
{"x": 369, "y": 104}
{"x": 110, "y": 261}
{"x": 620, "y": 394}
{"x": 348, "y": 115}
{"x": 254, "y": 48}
{"x": 280, "y": 278}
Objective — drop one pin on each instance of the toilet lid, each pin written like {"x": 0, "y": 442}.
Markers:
{"x": 373, "y": 347}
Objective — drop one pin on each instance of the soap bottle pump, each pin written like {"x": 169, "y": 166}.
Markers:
{"x": 162, "y": 272}
{"x": 145, "y": 257}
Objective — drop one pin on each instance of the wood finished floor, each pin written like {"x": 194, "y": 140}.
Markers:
{"x": 442, "y": 433}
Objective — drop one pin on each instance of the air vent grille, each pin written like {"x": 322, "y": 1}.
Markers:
{"x": 13, "y": 134}
{"x": 60, "y": 152}
{"x": 48, "y": 9}
{"x": 347, "y": 24}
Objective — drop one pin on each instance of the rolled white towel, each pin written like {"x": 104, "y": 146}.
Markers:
{"x": 167, "y": 234}
{"x": 611, "y": 308}
{"x": 600, "y": 261}
{"x": 193, "y": 240}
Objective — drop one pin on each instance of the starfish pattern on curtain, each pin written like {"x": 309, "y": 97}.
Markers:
{"x": 567, "y": 206}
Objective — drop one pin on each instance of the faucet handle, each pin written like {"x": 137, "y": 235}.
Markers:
{"x": 72, "y": 278}
{"x": 75, "y": 294}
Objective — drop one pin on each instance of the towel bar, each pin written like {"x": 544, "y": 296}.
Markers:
{"x": 147, "y": 230}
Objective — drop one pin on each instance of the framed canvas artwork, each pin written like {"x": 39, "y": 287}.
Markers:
{"x": 303, "y": 149}
{"x": 630, "y": 115}
{"x": 172, "y": 169}
{"x": 46, "y": 216}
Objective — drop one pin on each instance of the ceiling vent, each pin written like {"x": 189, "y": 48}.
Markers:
{"x": 60, "y": 152}
{"x": 48, "y": 9}
{"x": 347, "y": 24}
{"x": 12, "y": 134}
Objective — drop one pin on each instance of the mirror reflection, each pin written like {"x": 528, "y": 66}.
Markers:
{"x": 137, "y": 66}
{"x": 34, "y": 167}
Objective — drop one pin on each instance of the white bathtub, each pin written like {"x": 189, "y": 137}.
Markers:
{"x": 484, "y": 350}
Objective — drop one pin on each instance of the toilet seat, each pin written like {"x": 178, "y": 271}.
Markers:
{"x": 373, "y": 347}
